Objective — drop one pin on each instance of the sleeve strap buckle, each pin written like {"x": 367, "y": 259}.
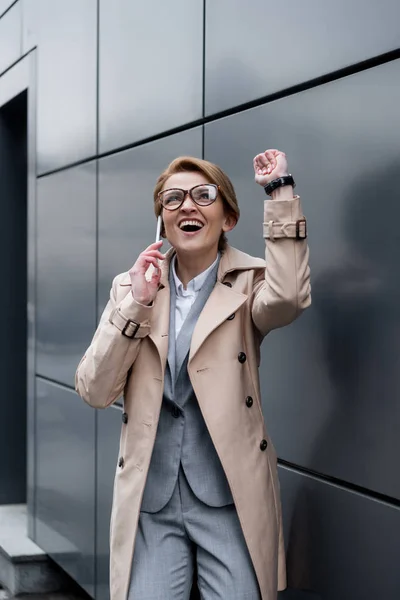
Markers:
{"x": 301, "y": 232}
{"x": 132, "y": 332}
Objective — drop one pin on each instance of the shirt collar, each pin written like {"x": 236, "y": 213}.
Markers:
{"x": 194, "y": 284}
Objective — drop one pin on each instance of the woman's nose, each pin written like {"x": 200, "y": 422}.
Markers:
{"x": 188, "y": 203}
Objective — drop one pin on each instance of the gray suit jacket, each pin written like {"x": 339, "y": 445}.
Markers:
{"x": 182, "y": 435}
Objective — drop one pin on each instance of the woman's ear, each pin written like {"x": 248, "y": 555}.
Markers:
{"x": 229, "y": 223}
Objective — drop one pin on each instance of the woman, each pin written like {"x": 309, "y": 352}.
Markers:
{"x": 196, "y": 483}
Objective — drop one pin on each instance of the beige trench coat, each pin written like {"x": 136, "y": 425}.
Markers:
{"x": 262, "y": 295}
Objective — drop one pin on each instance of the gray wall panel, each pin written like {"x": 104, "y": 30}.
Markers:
{"x": 258, "y": 47}
{"x": 66, "y": 270}
{"x": 127, "y": 223}
{"x": 10, "y": 36}
{"x": 330, "y": 381}
{"x": 151, "y": 68}
{"x": 65, "y": 481}
{"x": 340, "y": 545}
{"x": 4, "y": 5}
{"x": 66, "y": 33}
{"x": 108, "y": 431}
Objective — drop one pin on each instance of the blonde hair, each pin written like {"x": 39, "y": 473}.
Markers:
{"x": 213, "y": 174}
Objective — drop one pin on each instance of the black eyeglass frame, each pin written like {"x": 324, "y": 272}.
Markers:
{"x": 186, "y": 192}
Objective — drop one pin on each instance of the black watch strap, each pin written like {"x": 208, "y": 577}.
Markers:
{"x": 279, "y": 182}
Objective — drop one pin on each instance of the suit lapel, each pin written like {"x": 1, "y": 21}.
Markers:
{"x": 172, "y": 339}
{"x": 185, "y": 335}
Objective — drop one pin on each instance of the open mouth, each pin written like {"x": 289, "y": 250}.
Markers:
{"x": 190, "y": 226}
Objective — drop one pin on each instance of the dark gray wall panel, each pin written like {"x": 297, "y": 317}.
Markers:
{"x": 340, "y": 545}
{"x": 66, "y": 270}
{"x": 65, "y": 32}
{"x": 65, "y": 481}
{"x": 127, "y": 223}
{"x": 151, "y": 68}
{"x": 331, "y": 380}
{"x": 258, "y": 47}
{"x": 108, "y": 431}
{"x": 10, "y": 36}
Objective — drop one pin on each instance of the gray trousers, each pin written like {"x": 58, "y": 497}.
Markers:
{"x": 184, "y": 533}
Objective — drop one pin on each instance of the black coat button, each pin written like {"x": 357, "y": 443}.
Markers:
{"x": 249, "y": 401}
{"x": 125, "y": 417}
{"x": 228, "y": 284}
{"x": 263, "y": 445}
{"x": 121, "y": 462}
{"x": 242, "y": 357}
{"x": 175, "y": 412}
{"x": 231, "y": 317}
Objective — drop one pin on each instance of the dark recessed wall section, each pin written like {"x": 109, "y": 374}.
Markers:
{"x": 13, "y": 300}
{"x": 121, "y": 88}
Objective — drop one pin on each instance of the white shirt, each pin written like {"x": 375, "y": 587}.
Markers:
{"x": 185, "y": 298}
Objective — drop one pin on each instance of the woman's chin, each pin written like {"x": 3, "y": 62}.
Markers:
{"x": 189, "y": 245}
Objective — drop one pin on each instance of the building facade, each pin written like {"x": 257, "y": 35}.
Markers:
{"x": 96, "y": 97}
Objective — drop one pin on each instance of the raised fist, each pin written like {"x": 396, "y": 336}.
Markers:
{"x": 269, "y": 165}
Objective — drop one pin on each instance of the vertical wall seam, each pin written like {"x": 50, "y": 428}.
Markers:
{"x": 98, "y": 79}
{"x": 21, "y": 50}
{"x": 204, "y": 78}
{"x": 35, "y": 294}
{"x": 96, "y": 412}
{"x": 96, "y": 299}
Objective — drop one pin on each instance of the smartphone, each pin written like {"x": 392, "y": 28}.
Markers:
{"x": 158, "y": 230}
{"x": 150, "y": 270}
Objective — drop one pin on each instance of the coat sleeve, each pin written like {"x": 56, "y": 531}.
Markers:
{"x": 102, "y": 373}
{"x": 282, "y": 291}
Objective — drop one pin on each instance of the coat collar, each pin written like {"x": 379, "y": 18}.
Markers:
{"x": 222, "y": 303}
{"x": 232, "y": 259}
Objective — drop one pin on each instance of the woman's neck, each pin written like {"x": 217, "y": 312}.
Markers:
{"x": 187, "y": 266}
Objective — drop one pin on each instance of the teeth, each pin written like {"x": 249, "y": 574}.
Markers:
{"x": 190, "y": 223}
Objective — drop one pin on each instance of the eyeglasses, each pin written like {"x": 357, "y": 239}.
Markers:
{"x": 202, "y": 195}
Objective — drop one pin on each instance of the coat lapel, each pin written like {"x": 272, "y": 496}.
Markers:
{"x": 222, "y": 303}
{"x": 172, "y": 340}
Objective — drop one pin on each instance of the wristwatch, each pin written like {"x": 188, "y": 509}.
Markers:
{"x": 279, "y": 182}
